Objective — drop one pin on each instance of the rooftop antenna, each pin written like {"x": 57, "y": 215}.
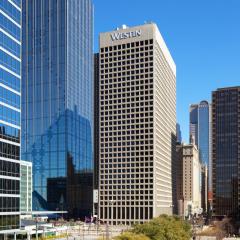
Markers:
{"x": 124, "y": 26}
{"x": 148, "y": 22}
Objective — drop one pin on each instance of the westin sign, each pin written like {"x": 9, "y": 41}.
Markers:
{"x": 120, "y": 36}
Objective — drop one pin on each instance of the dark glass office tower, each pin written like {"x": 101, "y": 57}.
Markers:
{"x": 57, "y": 102}
{"x": 96, "y": 130}
{"x": 10, "y": 77}
{"x": 226, "y": 151}
{"x": 96, "y": 119}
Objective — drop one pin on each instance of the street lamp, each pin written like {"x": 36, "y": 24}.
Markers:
{"x": 193, "y": 227}
{"x": 171, "y": 206}
{"x": 36, "y": 227}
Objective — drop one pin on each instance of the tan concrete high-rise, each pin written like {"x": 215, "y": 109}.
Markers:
{"x": 137, "y": 119}
{"x": 188, "y": 190}
{"x": 204, "y": 187}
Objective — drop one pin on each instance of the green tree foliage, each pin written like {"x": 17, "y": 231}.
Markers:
{"x": 131, "y": 236}
{"x": 164, "y": 228}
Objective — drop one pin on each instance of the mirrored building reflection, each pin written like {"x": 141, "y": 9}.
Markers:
{"x": 200, "y": 128}
{"x": 200, "y": 131}
{"x": 57, "y": 102}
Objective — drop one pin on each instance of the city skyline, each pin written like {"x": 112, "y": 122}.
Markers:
{"x": 198, "y": 35}
{"x": 119, "y": 114}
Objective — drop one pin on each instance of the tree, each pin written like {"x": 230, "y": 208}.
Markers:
{"x": 131, "y": 236}
{"x": 224, "y": 228}
{"x": 165, "y": 228}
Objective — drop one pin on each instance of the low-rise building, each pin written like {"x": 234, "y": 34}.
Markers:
{"x": 26, "y": 188}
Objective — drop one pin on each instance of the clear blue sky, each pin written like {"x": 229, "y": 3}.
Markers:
{"x": 203, "y": 37}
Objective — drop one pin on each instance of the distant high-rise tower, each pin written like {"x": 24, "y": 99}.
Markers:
{"x": 57, "y": 102}
{"x": 226, "y": 151}
{"x": 10, "y": 82}
{"x": 200, "y": 130}
{"x": 193, "y": 122}
{"x": 179, "y": 133}
{"x": 203, "y": 131}
{"x": 188, "y": 172}
{"x": 137, "y": 128}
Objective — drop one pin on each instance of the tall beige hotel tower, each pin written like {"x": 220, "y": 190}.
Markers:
{"x": 137, "y": 125}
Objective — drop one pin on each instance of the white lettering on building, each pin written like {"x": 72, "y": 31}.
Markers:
{"x": 120, "y": 36}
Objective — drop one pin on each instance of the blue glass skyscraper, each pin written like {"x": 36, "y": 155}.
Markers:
{"x": 203, "y": 131}
{"x": 193, "y": 131}
{"x": 57, "y": 102}
{"x": 10, "y": 77}
{"x": 179, "y": 133}
{"x": 200, "y": 129}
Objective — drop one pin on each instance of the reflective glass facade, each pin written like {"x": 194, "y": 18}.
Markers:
{"x": 193, "y": 131}
{"x": 226, "y": 151}
{"x": 10, "y": 77}
{"x": 57, "y": 102}
{"x": 200, "y": 129}
{"x": 203, "y": 132}
{"x": 179, "y": 133}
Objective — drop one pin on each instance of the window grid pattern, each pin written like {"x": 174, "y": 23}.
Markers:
{"x": 26, "y": 187}
{"x": 225, "y": 151}
{"x": 126, "y": 132}
{"x": 165, "y": 132}
{"x": 10, "y": 64}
